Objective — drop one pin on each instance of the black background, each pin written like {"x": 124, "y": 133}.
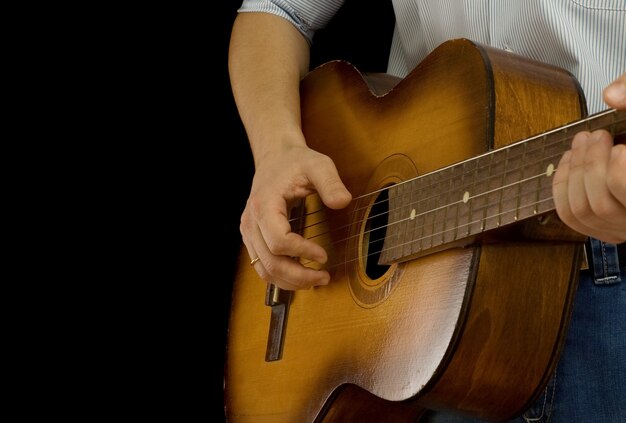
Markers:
{"x": 360, "y": 33}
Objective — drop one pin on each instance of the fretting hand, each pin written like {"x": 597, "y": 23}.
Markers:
{"x": 589, "y": 187}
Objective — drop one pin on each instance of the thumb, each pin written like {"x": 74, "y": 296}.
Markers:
{"x": 615, "y": 93}
{"x": 330, "y": 188}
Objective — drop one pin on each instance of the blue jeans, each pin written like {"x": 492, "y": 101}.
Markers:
{"x": 589, "y": 384}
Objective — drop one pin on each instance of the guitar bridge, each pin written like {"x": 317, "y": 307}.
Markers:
{"x": 278, "y": 300}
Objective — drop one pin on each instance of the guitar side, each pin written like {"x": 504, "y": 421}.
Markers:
{"x": 476, "y": 330}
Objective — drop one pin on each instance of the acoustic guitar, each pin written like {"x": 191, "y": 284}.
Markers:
{"x": 452, "y": 277}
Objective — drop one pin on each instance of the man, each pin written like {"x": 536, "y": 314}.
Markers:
{"x": 270, "y": 55}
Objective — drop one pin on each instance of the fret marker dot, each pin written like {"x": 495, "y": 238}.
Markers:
{"x": 466, "y": 197}
{"x": 550, "y": 170}
{"x": 412, "y": 214}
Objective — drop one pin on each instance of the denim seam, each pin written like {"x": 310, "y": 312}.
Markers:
{"x": 605, "y": 265}
{"x": 547, "y": 406}
{"x": 607, "y": 280}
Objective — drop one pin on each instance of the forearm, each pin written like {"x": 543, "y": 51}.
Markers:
{"x": 268, "y": 57}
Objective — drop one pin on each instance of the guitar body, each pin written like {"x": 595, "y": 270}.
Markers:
{"x": 476, "y": 329}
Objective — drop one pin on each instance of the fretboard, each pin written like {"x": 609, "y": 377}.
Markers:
{"x": 487, "y": 192}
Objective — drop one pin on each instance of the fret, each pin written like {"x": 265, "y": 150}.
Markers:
{"x": 513, "y": 174}
{"x": 443, "y": 207}
{"x": 530, "y": 188}
{"x": 464, "y": 209}
{"x": 449, "y": 205}
{"x": 417, "y": 215}
{"x": 430, "y": 204}
{"x": 459, "y": 207}
{"x": 396, "y": 223}
{"x": 409, "y": 213}
{"x": 525, "y": 176}
{"x": 478, "y": 198}
{"x": 554, "y": 145}
{"x": 618, "y": 126}
{"x": 494, "y": 191}
{"x": 613, "y": 122}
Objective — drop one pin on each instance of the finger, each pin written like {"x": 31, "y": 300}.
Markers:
{"x": 254, "y": 257}
{"x": 290, "y": 274}
{"x": 328, "y": 184}
{"x": 564, "y": 188}
{"x": 569, "y": 181}
{"x": 276, "y": 232}
{"x": 615, "y": 93}
{"x": 279, "y": 266}
{"x": 568, "y": 185}
{"x": 560, "y": 187}
{"x": 274, "y": 251}
{"x": 616, "y": 175}
{"x": 607, "y": 213}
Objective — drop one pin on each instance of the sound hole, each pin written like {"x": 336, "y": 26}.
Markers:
{"x": 375, "y": 231}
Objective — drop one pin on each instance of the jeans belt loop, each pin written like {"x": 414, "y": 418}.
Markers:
{"x": 604, "y": 262}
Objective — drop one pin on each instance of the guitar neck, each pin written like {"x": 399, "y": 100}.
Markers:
{"x": 488, "y": 192}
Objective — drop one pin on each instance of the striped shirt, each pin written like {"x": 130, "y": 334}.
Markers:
{"x": 586, "y": 37}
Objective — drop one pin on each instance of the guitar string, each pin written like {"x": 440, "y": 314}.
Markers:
{"x": 429, "y": 236}
{"x": 424, "y": 200}
{"x": 484, "y": 208}
{"x": 503, "y": 150}
{"x": 348, "y": 261}
{"x": 489, "y": 153}
{"x": 435, "y": 235}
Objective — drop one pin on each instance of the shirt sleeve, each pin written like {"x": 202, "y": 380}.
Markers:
{"x": 306, "y": 16}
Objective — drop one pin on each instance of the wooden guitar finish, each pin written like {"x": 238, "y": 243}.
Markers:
{"x": 471, "y": 320}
